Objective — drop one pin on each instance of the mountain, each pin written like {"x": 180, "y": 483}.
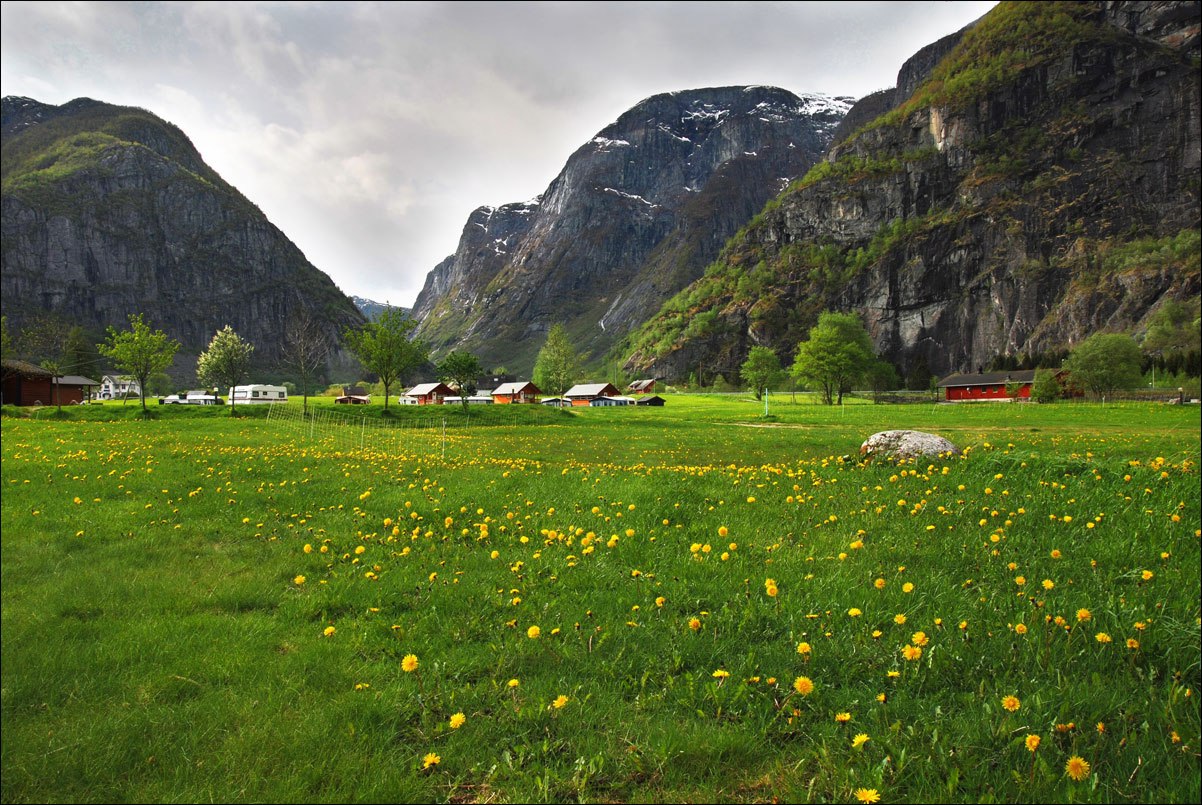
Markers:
{"x": 371, "y": 308}
{"x": 1040, "y": 183}
{"x": 109, "y": 210}
{"x": 635, "y": 215}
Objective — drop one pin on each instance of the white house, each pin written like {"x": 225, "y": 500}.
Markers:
{"x": 118, "y": 387}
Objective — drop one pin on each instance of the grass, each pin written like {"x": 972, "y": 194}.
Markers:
{"x": 205, "y": 607}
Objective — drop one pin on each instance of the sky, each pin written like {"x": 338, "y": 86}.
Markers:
{"x": 369, "y": 131}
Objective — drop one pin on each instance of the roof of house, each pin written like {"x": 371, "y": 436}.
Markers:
{"x": 76, "y": 380}
{"x": 515, "y": 388}
{"x": 423, "y": 389}
{"x": 989, "y": 378}
{"x": 591, "y": 390}
{"x": 25, "y": 369}
{"x": 641, "y": 385}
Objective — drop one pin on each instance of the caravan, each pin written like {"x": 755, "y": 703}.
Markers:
{"x": 258, "y": 393}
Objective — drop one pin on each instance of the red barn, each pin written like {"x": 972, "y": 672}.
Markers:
{"x": 427, "y": 394}
{"x": 520, "y": 392}
{"x": 27, "y": 384}
{"x": 989, "y": 386}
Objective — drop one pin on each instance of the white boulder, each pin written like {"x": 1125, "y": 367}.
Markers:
{"x": 902, "y": 444}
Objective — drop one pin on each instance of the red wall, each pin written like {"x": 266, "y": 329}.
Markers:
{"x": 994, "y": 392}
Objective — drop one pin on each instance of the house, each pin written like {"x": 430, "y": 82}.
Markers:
{"x": 641, "y": 387}
{"x": 114, "y": 387}
{"x": 654, "y": 399}
{"x": 520, "y": 392}
{"x": 988, "y": 386}
{"x": 27, "y": 384}
{"x": 427, "y": 394}
{"x": 582, "y": 394}
{"x": 353, "y": 395}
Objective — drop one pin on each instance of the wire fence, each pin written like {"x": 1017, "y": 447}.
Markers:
{"x": 348, "y": 431}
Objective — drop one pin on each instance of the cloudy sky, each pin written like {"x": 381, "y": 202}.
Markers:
{"x": 369, "y": 131}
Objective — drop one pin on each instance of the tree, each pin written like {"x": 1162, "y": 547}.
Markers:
{"x": 139, "y": 352}
{"x": 6, "y": 341}
{"x": 386, "y": 347}
{"x": 225, "y": 362}
{"x": 882, "y": 377}
{"x": 760, "y": 370}
{"x": 306, "y": 350}
{"x": 1046, "y": 388}
{"x": 460, "y": 369}
{"x": 1105, "y": 363}
{"x": 838, "y": 354}
{"x": 557, "y": 365}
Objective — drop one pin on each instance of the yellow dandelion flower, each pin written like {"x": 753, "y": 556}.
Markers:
{"x": 919, "y": 638}
{"x": 1147, "y": 575}
{"x": 299, "y": 580}
{"x": 430, "y": 760}
{"x": 1102, "y": 637}
{"x": 1032, "y": 742}
{"x": 859, "y": 740}
{"x": 899, "y": 619}
{"x": 867, "y": 795}
{"x": 329, "y": 631}
{"x": 533, "y": 632}
{"x": 457, "y": 721}
{"x": 803, "y": 685}
{"x": 842, "y": 718}
{"x": 560, "y": 702}
{"x": 1077, "y": 768}
{"x": 1048, "y": 584}
{"x": 409, "y": 663}
{"x": 720, "y": 674}
{"x": 907, "y": 587}
{"x": 1132, "y": 643}
{"x": 854, "y": 612}
{"x": 513, "y": 683}
{"x": 1011, "y": 703}
{"x": 694, "y": 623}
{"x": 803, "y": 648}
{"x": 1084, "y": 615}
{"x": 723, "y": 531}
{"x": 1020, "y": 628}
{"x": 879, "y": 584}
{"x": 912, "y": 653}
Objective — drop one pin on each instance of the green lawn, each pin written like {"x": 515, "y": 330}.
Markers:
{"x": 199, "y": 606}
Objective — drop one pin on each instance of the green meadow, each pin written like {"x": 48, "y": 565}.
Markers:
{"x": 694, "y": 603}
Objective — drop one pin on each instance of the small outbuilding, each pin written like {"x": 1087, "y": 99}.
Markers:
{"x": 353, "y": 395}
{"x": 654, "y": 399}
{"x": 606, "y": 402}
{"x": 73, "y": 389}
{"x": 557, "y": 402}
{"x": 27, "y": 384}
{"x": 641, "y": 387}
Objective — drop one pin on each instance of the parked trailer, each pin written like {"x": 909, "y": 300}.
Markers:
{"x": 258, "y": 393}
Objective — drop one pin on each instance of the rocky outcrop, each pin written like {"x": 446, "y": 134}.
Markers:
{"x": 1040, "y": 186}
{"x": 108, "y": 211}
{"x": 635, "y": 215}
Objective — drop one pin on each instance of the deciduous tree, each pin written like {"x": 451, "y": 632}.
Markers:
{"x": 460, "y": 369}
{"x": 837, "y": 354}
{"x": 225, "y": 363}
{"x": 557, "y": 366}
{"x": 760, "y": 370}
{"x": 1105, "y": 363}
{"x": 387, "y": 348}
{"x": 139, "y": 351}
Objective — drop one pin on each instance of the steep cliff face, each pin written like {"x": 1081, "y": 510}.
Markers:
{"x": 108, "y": 211}
{"x": 636, "y": 214}
{"x": 1002, "y": 209}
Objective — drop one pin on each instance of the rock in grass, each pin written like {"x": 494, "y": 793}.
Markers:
{"x": 902, "y": 444}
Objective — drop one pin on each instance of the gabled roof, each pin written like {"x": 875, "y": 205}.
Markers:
{"x": 515, "y": 388}
{"x": 641, "y": 385}
{"x": 423, "y": 389}
{"x": 25, "y": 369}
{"x": 591, "y": 390}
{"x": 75, "y": 380}
{"x": 989, "y": 378}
